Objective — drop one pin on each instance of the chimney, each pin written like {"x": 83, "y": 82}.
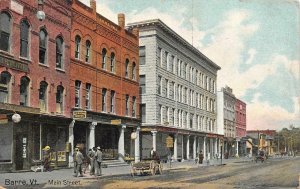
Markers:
{"x": 93, "y": 6}
{"x": 135, "y": 31}
{"x": 121, "y": 20}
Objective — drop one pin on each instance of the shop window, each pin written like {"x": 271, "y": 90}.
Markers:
{"x": 112, "y": 62}
{"x": 43, "y": 46}
{"x": 126, "y": 68}
{"x": 24, "y": 91}
{"x": 24, "y": 36}
{"x": 104, "y": 59}
{"x": 133, "y": 71}
{"x": 77, "y": 47}
{"x": 143, "y": 112}
{"x": 59, "y": 52}
{"x": 127, "y": 105}
{"x": 112, "y": 101}
{"x": 5, "y": 31}
{"x": 59, "y": 99}
{"x": 88, "y": 96}
{"x": 104, "y": 100}
{"x": 77, "y": 94}
{"x": 43, "y": 96}
{"x": 5, "y": 78}
{"x": 88, "y": 51}
{"x": 133, "y": 106}
{"x": 142, "y": 54}
{"x": 142, "y": 84}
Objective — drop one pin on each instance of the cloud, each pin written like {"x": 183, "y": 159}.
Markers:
{"x": 251, "y": 53}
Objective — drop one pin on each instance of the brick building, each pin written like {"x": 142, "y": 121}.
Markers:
{"x": 240, "y": 117}
{"x": 34, "y": 71}
{"x": 104, "y": 82}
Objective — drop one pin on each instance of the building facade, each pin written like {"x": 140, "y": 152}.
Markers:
{"x": 34, "y": 72}
{"x": 241, "y": 119}
{"x": 178, "y": 95}
{"x": 227, "y": 120}
{"x": 264, "y": 140}
{"x": 104, "y": 83}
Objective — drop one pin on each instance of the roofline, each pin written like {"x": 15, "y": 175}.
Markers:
{"x": 160, "y": 23}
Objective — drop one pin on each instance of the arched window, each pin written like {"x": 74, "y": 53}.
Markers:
{"x": 133, "y": 71}
{"x": 43, "y": 96}
{"x": 43, "y": 46}
{"x": 126, "y": 67}
{"x": 104, "y": 58}
{"x": 77, "y": 94}
{"x": 88, "y": 51}
{"x": 5, "y": 78}
{"x": 112, "y": 62}
{"x": 5, "y": 31}
{"x": 59, "y": 52}
{"x": 59, "y": 99}
{"x": 77, "y": 47}
{"x": 24, "y": 38}
{"x": 24, "y": 91}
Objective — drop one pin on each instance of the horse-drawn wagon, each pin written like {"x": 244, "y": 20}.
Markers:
{"x": 146, "y": 166}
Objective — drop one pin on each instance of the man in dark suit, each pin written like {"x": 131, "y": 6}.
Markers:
{"x": 98, "y": 158}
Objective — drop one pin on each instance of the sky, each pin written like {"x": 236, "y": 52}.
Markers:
{"x": 255, "y": 42}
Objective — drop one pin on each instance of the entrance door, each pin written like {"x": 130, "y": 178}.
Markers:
{"x": 21, "y": 151}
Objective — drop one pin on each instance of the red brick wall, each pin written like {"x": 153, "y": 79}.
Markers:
{"x": 103, "y": 34}
{"x": 57, "y": 22}
{"x": 240, "y": 117}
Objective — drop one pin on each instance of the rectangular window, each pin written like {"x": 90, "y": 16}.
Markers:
{"x": 112, "y": 101}
{"x": 166, "y": 59}
{"x": 174, "y": 91}
{"x": 191, "y": 120}
{"x": 127, "y": 105}
{"x": 104, "y": 99}
{"x": 174, "y": 112}
{"x": 142, "y": 54}
{"x": 142, "y": 84}
{"x": 88, "y": 96}
{"x": 126, "y": 68}
{"x": 160, "y": 114}
{"x": 159, "y": 55}
{"x": 143, "y": 112}
{"x": 133, "y": 106}
{"x": 167, "y": 87}
{"x": 77, "y": 93}
{"x": 171, "y": 63}
{"x": 159, "y": 85}
{"x": 168, "y": 114}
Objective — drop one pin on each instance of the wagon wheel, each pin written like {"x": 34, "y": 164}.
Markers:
{"x": 152, "y": 168}
{"x": 132, "y": 170}
{"x": 160, "y": 169}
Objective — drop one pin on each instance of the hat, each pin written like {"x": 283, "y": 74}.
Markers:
{"x": 98, "y": 147}
{"x": 47, "y": 148}
{"x": 76, "y": 149}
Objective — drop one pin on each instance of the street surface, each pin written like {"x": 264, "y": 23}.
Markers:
{"x": 237, "y": 173}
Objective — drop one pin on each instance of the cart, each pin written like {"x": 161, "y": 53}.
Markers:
{"x": 143, "y": 167}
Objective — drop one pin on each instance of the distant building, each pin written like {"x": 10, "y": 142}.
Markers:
{"x": 263, "y": 139}
{"x": 178, "y": 94}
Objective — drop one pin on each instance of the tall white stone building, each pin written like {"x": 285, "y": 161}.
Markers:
{"x": 178, "y": 94}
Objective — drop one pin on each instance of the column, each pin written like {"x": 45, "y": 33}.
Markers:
{"x": 182, "y": 143}
{"x": 92, "y": 135}
{"x": 71, "y": 141}
{"x": 154, "y": 140}
{"x": 175, "y": 146}
{"x": 137, "y": 146}
{"x": 194, "y": 147}
{"x": 188, "y": 147}
{"x": 204, "y": 148}
{"x": 219, "y": 147}
{"x": 216, "y": 147}
{"x": 121, "y": 148}
{"x": 237, "y": 149}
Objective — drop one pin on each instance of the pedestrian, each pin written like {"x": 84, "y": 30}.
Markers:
{"x": 201, "y": 157}
{"x": 79, "y": 161}
{"x": 74, "y": 159}
{"x": 46, "y": 158}
{"x": 151, "y": 153}
{"x": 91, "y": 158}
{"x": 98, "y": 158}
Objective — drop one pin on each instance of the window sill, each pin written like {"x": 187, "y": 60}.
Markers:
{"x": 60, "y": 70}
{"x": 25, "y": 59}
{"x": 6, "y": 53}
{"x": 44, "y": 65}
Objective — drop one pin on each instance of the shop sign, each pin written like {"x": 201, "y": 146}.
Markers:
{"x": 61, "y": 156}
{"x": 116, "y": 122}
{"x": 146, "y": 129}
{"x": 16, "y": 7}
{"x": 164, "y": 129}
{"x": 79, "y": 114}
{"x": 13, "y": 64}
{"x": 169, "y": 142}
{"x": 17, "y": 108}
{"x": 24, "y": 141}
{"x": 212, "y": 135}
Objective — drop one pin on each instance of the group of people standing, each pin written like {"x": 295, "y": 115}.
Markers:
{"x": 94, "y": 160}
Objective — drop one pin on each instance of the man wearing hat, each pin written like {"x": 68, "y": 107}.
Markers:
{"x": 79, "y": 161}
{"x": 46, "y": 158}
{"x": 98, "y": 158}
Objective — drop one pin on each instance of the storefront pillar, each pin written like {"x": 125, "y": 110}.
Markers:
{"x": 92, "y": 135}
{"x": 237, "y": 148}
{"x": 182, "y": 143}
{"x": 154, "y": 140}
{"x": 204, "y": 148}
{"x": 216, "y": 147}
{"x": 71, "y": 141}
{"x": 188, "y": 147}
{"x": 137, "y": 146}
{"x": 175, "y": 146}
{"x": 121, "y": 145}
{"x": 194, "y": 147}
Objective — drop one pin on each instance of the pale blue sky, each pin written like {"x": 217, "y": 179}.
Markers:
{"x": 256, "y": 42}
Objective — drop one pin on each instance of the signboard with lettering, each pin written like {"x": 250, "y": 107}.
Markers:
{"x": 79, "y": 114}
{"x": 24, "y": 145}
{"x": 116, "y": 121}
{"x": 61, "y": 156}
{"x": 169, "y": 142}
{"x": 13, "y": 64}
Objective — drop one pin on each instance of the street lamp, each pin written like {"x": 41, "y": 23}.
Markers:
{"x": 16, "y": 118}
{"x": 40, "y": 13}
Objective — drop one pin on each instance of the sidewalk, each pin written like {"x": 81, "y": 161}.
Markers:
{"x": 33, "y": 178}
